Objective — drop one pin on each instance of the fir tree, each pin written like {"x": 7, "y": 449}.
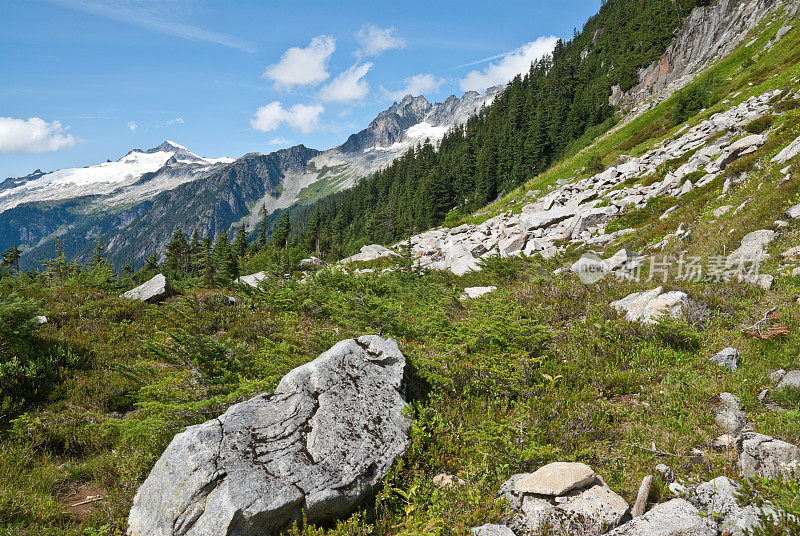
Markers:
{"x": 225, "y": 265}
{"x": 262, "y": 228}
{"x": 11, "y": 257}
{"x": 207, "y": 262}
{"x": 97, "y": 256}
{"x": 240, "y": 242}
{"x": 281, "y": 235}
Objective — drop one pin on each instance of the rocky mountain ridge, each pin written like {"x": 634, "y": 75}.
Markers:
{"x": 709, "y": 33}
{"x": 139, "y": 200}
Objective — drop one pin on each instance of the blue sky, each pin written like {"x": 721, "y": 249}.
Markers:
{"x": 82, "y": 81}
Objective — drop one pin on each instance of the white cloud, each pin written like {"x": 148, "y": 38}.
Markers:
{"x": 132, "y": 126}
{"x": 33, "y": 135}
{"x": 303, "y": 66}
{"x": 514, "y": 63}
{"x": 419, "y": 84}
{"x": 303, "y": 117}
{"x": 374, "y": 40}
{"x": 348, "y": 86}
{"x": 157, "y": 15}
{"x": 176, "y": 121}
{"x": 279, "y": 141}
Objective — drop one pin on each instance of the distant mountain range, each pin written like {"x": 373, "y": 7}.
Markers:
{"x": 138, "y": 201}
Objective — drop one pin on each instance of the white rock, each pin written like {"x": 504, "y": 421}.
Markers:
{"x": 649, "y": 305}
{"x": 369, "y": 253}
{"x": 153, "y": 291}
{"x": 252, "y": 280}
{"x": 471, "y": 293}
{"x": 672, "y": 518}
{"x": 556, "y": 478}
{"x": 788, "y": 152}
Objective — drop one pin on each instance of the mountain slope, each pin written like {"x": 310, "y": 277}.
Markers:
{"x": 137, "y": 202}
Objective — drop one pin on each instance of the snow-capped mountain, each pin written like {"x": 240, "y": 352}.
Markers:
{"x": 137, "y": 175}
{"x": 138, "y": 201}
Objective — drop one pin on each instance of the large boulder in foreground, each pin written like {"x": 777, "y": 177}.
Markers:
{"x": 153, "y": 291}
{"x": 321, "y": 443}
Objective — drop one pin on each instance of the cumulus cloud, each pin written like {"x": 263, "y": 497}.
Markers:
{"x": 279, "y": 141}
{"x": 303, "y": 117}
{"x": 373, "y": 40}
{"x": 33, "y": 135}
{"x": 132, "y": 126}
{"x": 303, "y": 66}
{"x": 416, "y": 85}
{"x": 510, "y": 65}
{"x": 175, "y": 121}
{"x": 348, "y": 85}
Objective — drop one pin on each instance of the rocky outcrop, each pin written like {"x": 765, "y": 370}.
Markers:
{"x": 565, "y": 497}
{"x": 252, "y": 280}
{"x": 370, "y": 252}
{"x": 320, "y": 444}
{"x": 577, "y": 211}
{"x": 650, "y": 305}
{"x": 153, "y": 291}
{"x": 764, "y": 456}
{"x": 717, "y": 498}
{"x": 672, "y": 518}
{"x": 706, "y": 35}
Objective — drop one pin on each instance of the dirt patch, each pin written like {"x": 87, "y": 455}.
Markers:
{"x": 82, "y": 499}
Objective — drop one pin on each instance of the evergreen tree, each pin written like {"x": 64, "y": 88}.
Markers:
{"x": 11, "y": 257}
{"x": 240, "y": 242}
{"x": 225, "y": 266}
{"x": 97, "y": 256}
{"x": 311, "y": 238}
{"x": 281, "y": 235}
{"x": 151, "y": 263}
{"x": 195, "y": 254}
{"x": 262, "y": 228}
{"x": 207, "y": 262}
{"x": 178, "y": 255}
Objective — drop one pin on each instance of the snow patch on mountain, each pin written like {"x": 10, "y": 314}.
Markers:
{"x": 174, "y": 163}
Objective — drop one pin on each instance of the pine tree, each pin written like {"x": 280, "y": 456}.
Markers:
{"x": 225, "y": 265}
{"x": 281, "y": 235}
{"x": 11, "y": 257}
{"x": 208, "y": 261}
{"x": 151, "y": 263}
{"x": 97, "y": 256}
{"x": 262, "y": 228}
{"x": 195, "y": 254}
{"x": 240, "y": 242}
{"x": 178, "y": 255}
{"x": 311, "y": 239}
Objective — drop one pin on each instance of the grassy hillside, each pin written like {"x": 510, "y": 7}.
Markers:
{"x": 543, "y": 369}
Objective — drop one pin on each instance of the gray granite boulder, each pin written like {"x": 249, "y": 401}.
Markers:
{"x": 153, "y": 291}
{"x": 492, "y": 530}
{"x": 321, "y": 443}
{"x": 672, "y": 518}
{"x": 730, "y": 416}
{"x": 765, "y": 456}
{"x": 573, "y": 500}
{"x": 252, "y": 280}
{"x": 790, "y": 380}
{"x": 727, "y": 358}
{"x": 717, "y": 498}
{"x": 648, "y": 306}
